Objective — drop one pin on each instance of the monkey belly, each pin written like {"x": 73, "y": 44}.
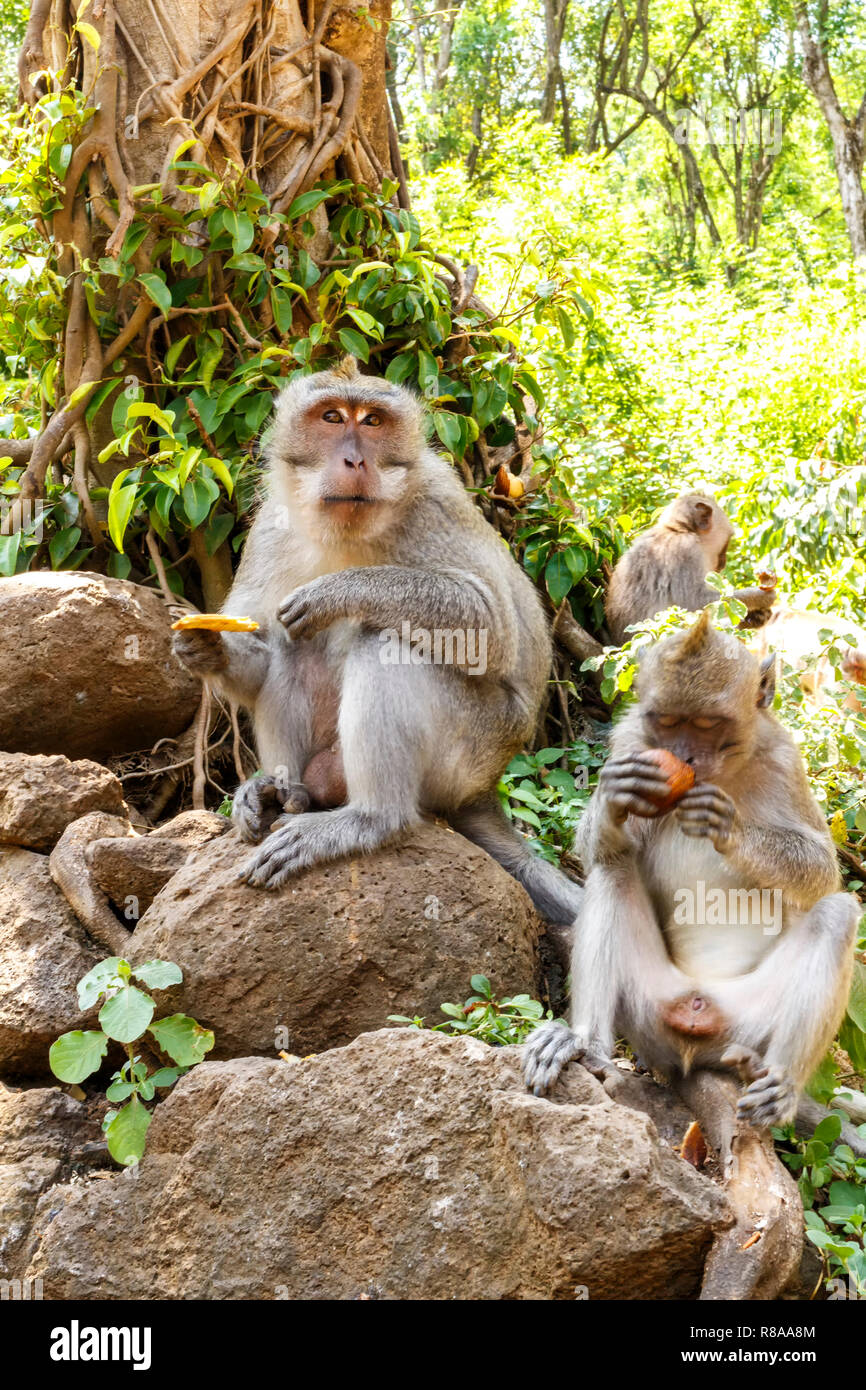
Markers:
{"x": 715, "y": 926}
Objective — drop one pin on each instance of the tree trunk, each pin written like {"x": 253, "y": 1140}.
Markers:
{"x": 847, "y": 135}
{"x": 555, "y": 12}
{"x": 260, "y": 91}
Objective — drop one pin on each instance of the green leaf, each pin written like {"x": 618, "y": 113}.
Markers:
{"x": 174, "y": 353}
{"x": 857, "y": 998}
{"x": 119, "y": 566}
{"x": 158, "y": 974}
{"x": 218, "y": 530}
{"x": 354, "y": 343}
{"x": 248, "y": 262}
{"x": 849, "y": 1194}
{"x": 88, "y": 32}
{"x": 126, "y": 1015}
{"x": 77, "y": 1055}
{"x": 166, "y": 1076}
{"x": 62, "y": 544}
{"x": 197, "y": 501}
{"x": 828, "y": 1130}
{"x": 366, "y": 323}
{"x": 139, "y": 409}
{"x": 126, "y": 1132}
{"x": 185, "y": 1041}
{"x": 155, "y": 287}
{"x": 121, "y": 505}
{"x": 9, "y": 547}
{"x": 306, "y": 202}
{"x": 97, "y": 981}
{"x": 81, "y": 391}
{"x": 239, "y": 226}
{"x": 557, "y": 577}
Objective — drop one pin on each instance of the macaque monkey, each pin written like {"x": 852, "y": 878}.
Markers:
{"x": 719, "y": 924}
{"x": 794, "y": 635}
{"x": 667, "y": 565}
{"x": 402, "y": 653}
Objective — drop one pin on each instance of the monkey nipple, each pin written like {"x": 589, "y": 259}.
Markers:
{"x": 694, "y": 1016}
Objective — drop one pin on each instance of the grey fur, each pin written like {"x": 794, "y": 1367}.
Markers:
{"x": 667, "y": 565}
{"x": 414, "y": 738}
{"x": 753, "y": 824}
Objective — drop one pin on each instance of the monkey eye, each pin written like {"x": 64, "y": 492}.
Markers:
{"x": 372, "y": 419}
{"x": 667, "y": 721}
{"x": 333, "y": 417}
{"x": 706, "y": 723}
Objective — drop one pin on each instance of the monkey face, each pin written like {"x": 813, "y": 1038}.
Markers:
{"x": 705, "y": 742}
{"x": 350, "y": 468}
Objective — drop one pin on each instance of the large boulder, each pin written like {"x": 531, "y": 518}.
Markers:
{"x": 341, "y": 947}
{"x": 40, "y": 1131}
{"x": 44, "y": 951}
{"x": 41, "y": 795}
{"x": 86, "y": 666}
{"x": 406, "y": 1165}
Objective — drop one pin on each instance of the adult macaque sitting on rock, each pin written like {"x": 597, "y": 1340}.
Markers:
{"x": 717, "y": 924}
{"x": 402, "y": 652}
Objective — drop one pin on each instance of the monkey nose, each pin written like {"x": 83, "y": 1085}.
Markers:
{"x": 354, "y": 463}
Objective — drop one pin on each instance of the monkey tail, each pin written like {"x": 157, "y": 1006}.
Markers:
{"x": 556, "y": 897}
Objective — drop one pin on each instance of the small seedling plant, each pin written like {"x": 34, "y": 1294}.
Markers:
{"x": 495, "y": 1021}
{"x": 126, "y": 1015}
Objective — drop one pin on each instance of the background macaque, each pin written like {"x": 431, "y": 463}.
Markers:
{"x": 794, "y": 634}
{"x": 667, "y": 565}
{"x": 768, "y": 967}
{"x": 402, "y": 654}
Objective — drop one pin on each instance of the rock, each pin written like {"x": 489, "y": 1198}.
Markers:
{"x": 39, "y": 1132}
{"x": 132, "y": 871}
{"x": 344, "y": 945}
{"x": 41, "y": 795}
{"x": 73, "y": 875}
{"x": 86, "y": 666}
{"x": 405, "y": 1166}
{"x": 44, "y": 951}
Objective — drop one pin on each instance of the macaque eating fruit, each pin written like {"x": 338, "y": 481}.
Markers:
{"x": 719, "y": 924}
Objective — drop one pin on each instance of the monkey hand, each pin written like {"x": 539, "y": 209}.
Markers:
{"x": 201, "y": 652}
{"x": 632, "y": 786}
{"x": 708, "y": 811}
{"x": 314, "y": 606}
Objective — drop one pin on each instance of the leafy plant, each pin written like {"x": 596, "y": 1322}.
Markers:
{"x": 125, "y": 1017}
{"x": 495, "y": 1021}
{"x": 832, "y": 1182}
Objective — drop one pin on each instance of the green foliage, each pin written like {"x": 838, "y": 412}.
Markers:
{"x": 832, "y": 1182}
{"x": 125, "y": 1016}
{"x": 495, "y": 1021}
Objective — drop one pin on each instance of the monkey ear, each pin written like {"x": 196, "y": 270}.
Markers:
{"x": 767, "y": 688}
{"x": 702, "y": 516}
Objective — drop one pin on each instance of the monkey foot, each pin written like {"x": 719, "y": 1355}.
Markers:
{"x": 771, "y": 1099}
{"x": 548, "y": 1050}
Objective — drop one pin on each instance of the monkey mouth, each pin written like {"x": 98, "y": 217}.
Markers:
{"x": 351, "y": 497}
